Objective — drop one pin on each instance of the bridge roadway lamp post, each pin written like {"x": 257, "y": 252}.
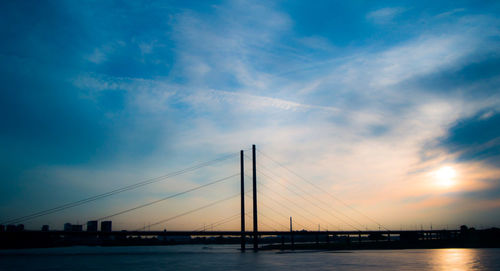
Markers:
{"x": 242, "y": 202}
{"x": 255, "y": 225}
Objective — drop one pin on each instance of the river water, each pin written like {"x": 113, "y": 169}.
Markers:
{"x": 227, "y": 257}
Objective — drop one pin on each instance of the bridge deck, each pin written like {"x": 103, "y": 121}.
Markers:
{"x": 230, "y": 233}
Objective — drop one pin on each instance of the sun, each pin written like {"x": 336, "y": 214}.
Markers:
{"x": 445, "y": 176}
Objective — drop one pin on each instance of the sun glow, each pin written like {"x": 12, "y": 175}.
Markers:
{"x": 445, "y": 176}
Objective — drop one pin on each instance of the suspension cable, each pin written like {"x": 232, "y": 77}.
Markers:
{"x": 219, "y": 222}
{"x": 328, "y": 193}
{"x": 304, "y": 209}
{"x": 310, "y": 202}
{"x": 264, "y": 224}
{"x": 297, "y": 205}
{"x": 315, "y": 198}
{"x": 284, "y": 206}
{"x": 274, "y": 210}
{"x": 168, "y": 197}
{"x": 189, "y": 212}
{"x": 117, "y": 191}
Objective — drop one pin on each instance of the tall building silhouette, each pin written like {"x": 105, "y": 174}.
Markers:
{"x": 67, "y": 226}
{"x": 92, "y": 225}
{"x": 106, "y": 226}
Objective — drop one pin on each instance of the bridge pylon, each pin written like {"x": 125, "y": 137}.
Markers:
{"x": 243, "y": 236}
{"x": 255, "y": 224}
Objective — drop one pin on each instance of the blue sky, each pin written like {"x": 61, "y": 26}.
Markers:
{"x": 367, "y": 99}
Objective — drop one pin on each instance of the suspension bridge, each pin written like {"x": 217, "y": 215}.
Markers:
{"x": 307, "y": 212}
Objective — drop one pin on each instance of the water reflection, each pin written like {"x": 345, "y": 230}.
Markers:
{"x": 455, "y": 259}
{"x": 227, "y": 257}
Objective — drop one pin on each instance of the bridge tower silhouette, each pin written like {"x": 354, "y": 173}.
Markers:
{"x": 254, "y": 201}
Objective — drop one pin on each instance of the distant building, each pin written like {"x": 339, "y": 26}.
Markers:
{"x": 2, "y": 228}
{"x": 76, "y": 227}
{"x": 11, "y": 228}
{"x": 67, "y": 226}
{"x": 92, "y": 226}
{"x": 106, "y": 226}
{"x": 45, "y": 228}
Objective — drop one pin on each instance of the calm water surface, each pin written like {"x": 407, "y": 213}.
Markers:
{"x": 227, "y": 257}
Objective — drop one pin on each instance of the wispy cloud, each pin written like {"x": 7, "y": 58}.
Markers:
{"x": 385, "y": 15}
{"x": 253, "y": 102}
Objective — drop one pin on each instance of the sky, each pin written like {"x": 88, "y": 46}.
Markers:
{"x": 386, "y": 112}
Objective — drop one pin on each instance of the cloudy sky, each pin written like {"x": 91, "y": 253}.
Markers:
{"x": 389, "y": 112}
